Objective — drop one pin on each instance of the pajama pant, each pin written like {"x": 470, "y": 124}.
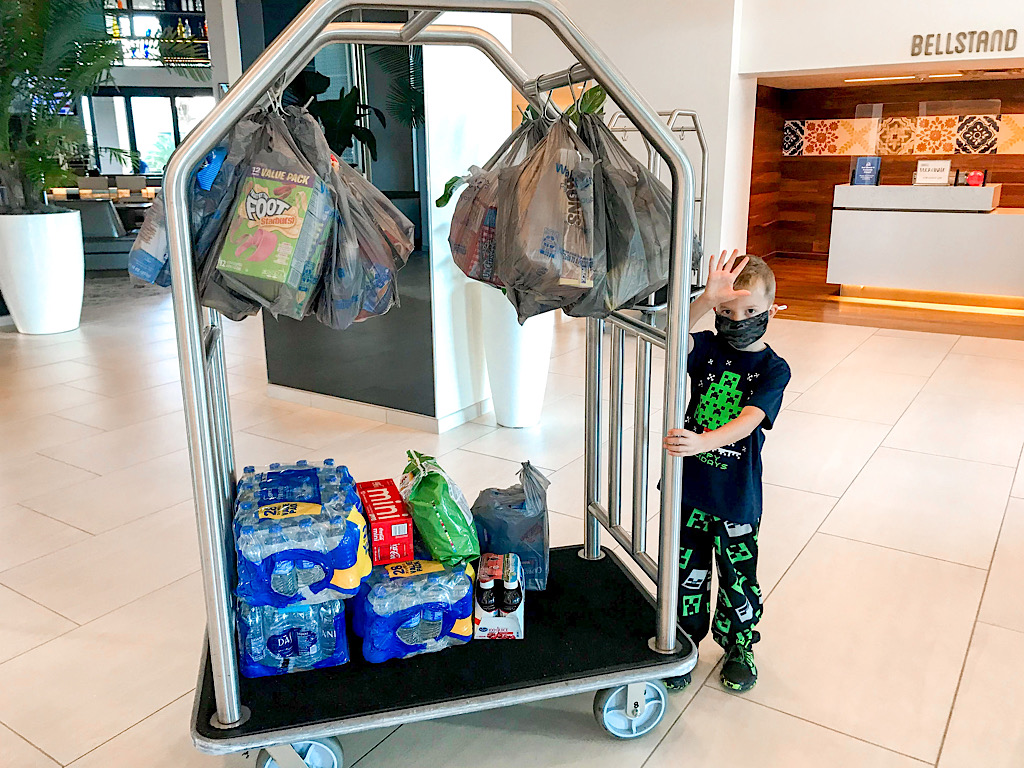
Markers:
{"x": 738, "y": 607}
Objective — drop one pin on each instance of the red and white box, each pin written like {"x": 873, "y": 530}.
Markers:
{"x": 390, "y": 522}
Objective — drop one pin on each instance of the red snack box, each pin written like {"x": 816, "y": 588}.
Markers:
{"x": 390, "y": 522}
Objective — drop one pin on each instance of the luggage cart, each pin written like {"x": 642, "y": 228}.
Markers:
{"x": 591, "y": 629}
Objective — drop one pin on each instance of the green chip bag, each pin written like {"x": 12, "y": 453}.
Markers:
{"x": 439, "y": 510}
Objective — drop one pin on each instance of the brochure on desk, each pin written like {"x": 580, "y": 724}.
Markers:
{"x": 865, "y": 172}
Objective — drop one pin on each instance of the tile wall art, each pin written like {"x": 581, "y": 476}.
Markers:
{"x": 933, "y": 135}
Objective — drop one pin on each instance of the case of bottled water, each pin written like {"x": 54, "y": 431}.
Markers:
{"x": 300, "y": 535}
{"x": 410, "y": 608}
{"x": 273, "y": 641}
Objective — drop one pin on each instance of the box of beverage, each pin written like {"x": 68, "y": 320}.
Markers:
{"x": 389, "y": 520}
{"x": 498, "y": 598}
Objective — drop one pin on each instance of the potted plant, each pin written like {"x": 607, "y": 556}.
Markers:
{"x": 52, "y": 53}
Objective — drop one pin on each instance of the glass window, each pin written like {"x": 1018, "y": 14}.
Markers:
{"x": 111, "y": 119}
{"x": 191, "y": 109}
{"x": 154, "y": 131}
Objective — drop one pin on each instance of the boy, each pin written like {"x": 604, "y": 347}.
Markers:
{"x": 736, "y": 383}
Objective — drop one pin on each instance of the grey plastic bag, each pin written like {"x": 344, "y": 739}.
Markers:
{"x": 274, "y": 243}
{"x": 620, "y": 267}
{"x": 474, "y": 222}
{"x": 545, "y": 222}
{"x": 515, "y": 520}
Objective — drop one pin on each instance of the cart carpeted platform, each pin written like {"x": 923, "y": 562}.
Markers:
{"x": 592, "y": 620}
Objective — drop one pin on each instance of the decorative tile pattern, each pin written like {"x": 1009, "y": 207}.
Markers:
{"x": 977, "y": 134}
{"x": 821, "y": 137}
{"x": 936, "y": 135}
{"x": 1011, "y": 135}
{"x": 857, "y": 137}
{"x": 793, "y": 138}
{"x": 896, "y": 136}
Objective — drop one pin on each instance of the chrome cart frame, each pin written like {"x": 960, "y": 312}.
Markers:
{"x": 203, "y": 370}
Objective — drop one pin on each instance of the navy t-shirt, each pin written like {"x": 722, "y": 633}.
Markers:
{"x": 726, "y": 482}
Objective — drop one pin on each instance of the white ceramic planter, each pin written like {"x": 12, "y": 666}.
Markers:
{"x": 42, "y": 270}
{"x": 518, "y": 358}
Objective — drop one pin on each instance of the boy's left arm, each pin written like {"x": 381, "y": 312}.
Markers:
{"x": 683, "y": 442}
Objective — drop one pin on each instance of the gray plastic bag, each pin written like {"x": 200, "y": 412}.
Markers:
{"x": 515, "y": 520}
{"x": 474, "y": 222}
{"x": 273, "y": 246}
{"x": 545, "y": 223}
{"x": 620, "y": 266}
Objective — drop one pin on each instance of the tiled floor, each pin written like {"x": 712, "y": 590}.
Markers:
{"x": 892, "y": 544}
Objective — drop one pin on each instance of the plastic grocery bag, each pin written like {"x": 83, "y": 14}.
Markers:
{"x": 472, "y": 235}
{"x": 273, "y": 248}
{"x": 515, "y": 521}
{"x": 411, "y": 608}
{"x": 545, "y": 222}
{"x": 621, "y": 270}
{"x": 439, "y": 510}
{"x": 397, "y": 229}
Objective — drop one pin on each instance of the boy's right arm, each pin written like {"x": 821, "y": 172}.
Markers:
{"x": 722, "y": 273}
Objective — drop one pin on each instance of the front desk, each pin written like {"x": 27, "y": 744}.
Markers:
{"x": 926, "y": 239}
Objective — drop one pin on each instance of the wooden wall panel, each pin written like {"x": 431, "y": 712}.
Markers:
{"x": 802, "y": 204}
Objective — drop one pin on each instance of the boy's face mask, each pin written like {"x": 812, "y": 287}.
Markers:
{"x": 742, "y": 333}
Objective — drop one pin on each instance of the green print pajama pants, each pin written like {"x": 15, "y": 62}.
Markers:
{"x": 738, "y": 607}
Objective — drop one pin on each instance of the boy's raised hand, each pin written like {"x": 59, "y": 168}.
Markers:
{"x": 722, "y": 273}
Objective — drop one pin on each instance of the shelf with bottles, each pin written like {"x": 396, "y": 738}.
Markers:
{"x": 192, "y": 7}
{"x": 186, "y": 30}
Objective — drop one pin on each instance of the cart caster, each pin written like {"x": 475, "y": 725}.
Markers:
{"x": 630, "y": 711}
{"x": 317, "y": 753}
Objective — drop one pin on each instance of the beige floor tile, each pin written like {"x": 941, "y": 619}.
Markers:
{"x": 865, "y": 395}
{"x": 788, "y": 522}
{"x": 105, "y": 572}
{"x": 567, "y": 531}
{"x": 557, "y": 732}
{"x": 553, "y": 445}
{"x": 930, "y": 505}
{"x": 254, "y": 368}
{"x": 915, "y": 356}
{"x": 983, "y": 378}
{"x": 121, "y": 496}
{"x": 15, "y": 752}
{"x": 868, "y": 641}
{"x": 1003, "y": 605}
{"x": 899, "y": 333}
{"x": 37, "y": 433}
{"x": 18, "y": 405}
{"x": 20, "y": 380}
{"x": 87, "y": 686}
{"x": 239, "y": 385}
{"x": 961, "y": 426}
{"x": 26, "y": 535}
{"x": 719, "y": 729}
{"x": 124, "y": 447}
{"x": 987, "y": 726}
{"x": 559, "y": 385}
{"x": 127, "y": 409}
{"x": 131, "y": 378}
{"x": 567, "y": 492}
{"x": 26, "y": 625}
{"x": 816, "y": 453}
{"x": 29, "y": 475}
{"x": 1018, "y": 483}
{"x": 261, "y": 451}
{"x": 313, "y": 429}
{"x": 1009, "y": 349}
{"x": 160, "y": 741}
{"x": 813, "y": 349}
{"x": 248, "y": 413}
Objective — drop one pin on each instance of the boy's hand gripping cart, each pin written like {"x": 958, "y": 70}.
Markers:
{"x": 590, "y": 631}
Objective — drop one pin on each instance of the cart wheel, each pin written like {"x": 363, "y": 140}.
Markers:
{"x": 630, "y": 711}
{"x": 318, "y": 753}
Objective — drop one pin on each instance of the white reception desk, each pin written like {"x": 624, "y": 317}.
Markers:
{"x": 943, "y": 239}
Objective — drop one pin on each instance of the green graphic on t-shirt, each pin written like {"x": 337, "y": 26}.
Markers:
{"x": 721, "y": 403}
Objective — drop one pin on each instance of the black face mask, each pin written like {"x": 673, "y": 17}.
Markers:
{"x": 742, "y": 333}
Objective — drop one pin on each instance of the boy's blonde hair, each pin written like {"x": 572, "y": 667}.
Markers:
{"x": 757, "y": 272}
